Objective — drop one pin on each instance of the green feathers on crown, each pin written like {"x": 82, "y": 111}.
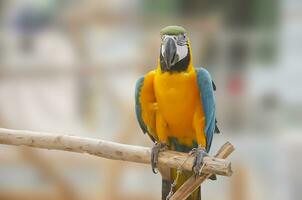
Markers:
{"x": 173, "y": 30}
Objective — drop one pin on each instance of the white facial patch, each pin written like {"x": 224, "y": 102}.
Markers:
{"x": 182, "y": 51}
{"x": 181, "y": 45}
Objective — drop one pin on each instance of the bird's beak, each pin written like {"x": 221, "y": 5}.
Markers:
{"x": 169, "y": 53}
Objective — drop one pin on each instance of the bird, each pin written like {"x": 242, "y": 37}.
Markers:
{"x": 175, "y": 106}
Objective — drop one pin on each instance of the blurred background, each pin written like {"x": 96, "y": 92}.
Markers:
{"x": 70, "y": 66}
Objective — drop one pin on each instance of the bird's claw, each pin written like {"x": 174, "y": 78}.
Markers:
{"x": 199, "y": 154}
{"x": 157, "y": 147}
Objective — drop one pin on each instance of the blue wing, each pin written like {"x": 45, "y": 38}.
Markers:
{"x": 206, "y": 91}
{"x": 138, "y": 107}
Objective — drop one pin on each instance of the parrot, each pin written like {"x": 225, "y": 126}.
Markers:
{"x": 175, "y": 106}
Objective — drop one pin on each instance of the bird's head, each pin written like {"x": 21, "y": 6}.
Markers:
{"x": 175, "y": 49}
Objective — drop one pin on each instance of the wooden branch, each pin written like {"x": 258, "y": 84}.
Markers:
{"x": 194, "y": 182}
{"x": 110, "y": 150}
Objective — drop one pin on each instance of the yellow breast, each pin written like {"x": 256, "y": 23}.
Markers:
{"x": 177, "y": 96}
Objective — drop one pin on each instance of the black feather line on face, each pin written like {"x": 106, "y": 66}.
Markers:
{"x": 180, "y": 66}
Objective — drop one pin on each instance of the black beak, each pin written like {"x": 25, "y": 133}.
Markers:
{"x": 169, "y": 53}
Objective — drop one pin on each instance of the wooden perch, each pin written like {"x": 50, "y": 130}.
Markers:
{"x": 110, "y": 150}
{"x": 194, "y": 182}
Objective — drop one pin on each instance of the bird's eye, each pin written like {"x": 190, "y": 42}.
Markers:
{"x": 182, "y": 37}
{"x": 181, "y": 40}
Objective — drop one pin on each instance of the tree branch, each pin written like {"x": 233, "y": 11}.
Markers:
{"x": 194, "y": 182}
{"x": 110, "y": 150}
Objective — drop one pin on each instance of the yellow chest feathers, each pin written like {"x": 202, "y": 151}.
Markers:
{"x": 177, "y": 97}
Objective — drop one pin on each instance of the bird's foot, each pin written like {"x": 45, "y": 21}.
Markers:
{"x": 199, "y": 154}
{"x": 157, "y": 147}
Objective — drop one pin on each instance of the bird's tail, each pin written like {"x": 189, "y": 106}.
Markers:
{"x": 166, "y": 185}
{"x": 182, "y": 177}
{"x": 165, "y": 188}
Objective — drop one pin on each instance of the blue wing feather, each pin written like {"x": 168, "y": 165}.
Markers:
{"x": 206, "y": 92}
{"x": 138, "y": 108}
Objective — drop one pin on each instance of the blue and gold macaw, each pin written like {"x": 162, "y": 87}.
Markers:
{"x": 175, "y": 105}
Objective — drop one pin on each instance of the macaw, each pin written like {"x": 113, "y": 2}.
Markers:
{"x": 175, "y": 105}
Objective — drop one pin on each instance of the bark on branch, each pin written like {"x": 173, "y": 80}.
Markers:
{"x": 110, "y": 150}
{"x": 194, "y": 182}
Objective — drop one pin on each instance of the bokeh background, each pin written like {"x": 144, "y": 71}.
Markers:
{"x": 70, "y": 66}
